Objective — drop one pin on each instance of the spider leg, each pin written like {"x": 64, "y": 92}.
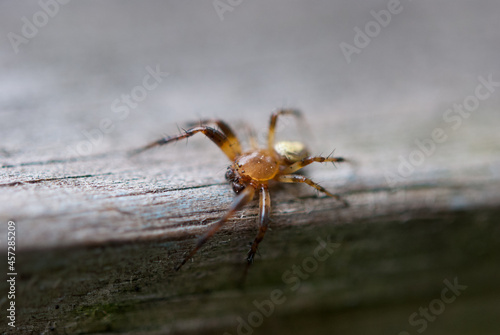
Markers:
{"x": 274, "y": 119}
{"x": 306, "y": 161}
{"x": 226, "y": 130}
{"x": 220, "y": 139}
{"x": 295, "y": 178}
{"x": 264, "y": 211}
{"x": 241, "y": 200}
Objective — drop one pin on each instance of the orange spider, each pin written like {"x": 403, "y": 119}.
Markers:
{"x": 253, "y": 170}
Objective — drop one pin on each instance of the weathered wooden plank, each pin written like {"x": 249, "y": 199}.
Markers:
{"x": 156, "y": 205}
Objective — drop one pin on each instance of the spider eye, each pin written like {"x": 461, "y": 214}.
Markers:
{"x": 237, "y": 187}
{"x": 230, "y": 174}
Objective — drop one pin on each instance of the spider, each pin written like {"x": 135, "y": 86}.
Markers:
{"x": 253, "y": 170}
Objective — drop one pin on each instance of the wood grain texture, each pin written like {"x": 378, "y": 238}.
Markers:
{"x": 176, "y": 191}
{"x": 99, "y": 232}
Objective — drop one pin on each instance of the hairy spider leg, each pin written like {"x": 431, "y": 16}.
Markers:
{"x": 214, "y": 135}
{"x": 241, "y": 200}
{"x": 295, "y": 178}
{"x": 274, "y": 119}
{"x": 264, "y": 212}
{"x": 306, "y": 161}
{"x": 226, "y": 130}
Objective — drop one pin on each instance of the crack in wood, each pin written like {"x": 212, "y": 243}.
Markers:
{"x": 35, "y": 181}
{"x": 166, "y": 190}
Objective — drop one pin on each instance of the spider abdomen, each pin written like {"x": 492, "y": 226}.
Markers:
{"x": 291, "y": 151}
{"x": 259, "y": 165}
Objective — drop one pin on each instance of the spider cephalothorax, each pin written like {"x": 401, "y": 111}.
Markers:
{"x": 253, "y": 170}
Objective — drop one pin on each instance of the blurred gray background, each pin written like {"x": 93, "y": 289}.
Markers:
{"x": 240, "y": 64}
